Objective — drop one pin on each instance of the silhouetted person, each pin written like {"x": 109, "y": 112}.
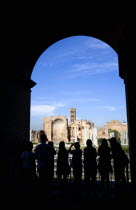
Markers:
{"x": 51, "y": 160}
{"x": 104, "y": 164}
{"x": 43, "y": 152}
{"x": 63, "y": 168}
{"x": 76, "y": 161}
{"x": 28, "y": 163}
{"x": 90, "y": 164}
{"x": 120, "y": 161}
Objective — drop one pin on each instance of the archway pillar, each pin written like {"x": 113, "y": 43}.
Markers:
{"x": 130, "y": 82}
{"x": 15, "y": 120}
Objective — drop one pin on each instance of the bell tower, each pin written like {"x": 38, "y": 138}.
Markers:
{"x": 72, "y": 114}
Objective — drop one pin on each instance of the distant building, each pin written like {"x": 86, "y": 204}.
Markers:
{"x": 81, "y": 130}
{"x": 38, "y": 135}
{"x": 72, "y": 115}
{"x": 56, "y": 128}
{"x": 106, "y": 131}
{"x": 32, "y": 135}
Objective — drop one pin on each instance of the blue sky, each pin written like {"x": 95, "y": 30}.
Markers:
{"x": 78, "y": 72}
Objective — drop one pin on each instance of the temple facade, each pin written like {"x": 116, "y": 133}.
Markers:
{"x": 56, "y": 128}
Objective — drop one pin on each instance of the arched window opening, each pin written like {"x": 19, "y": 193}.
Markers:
{"x": 80, "y": 72}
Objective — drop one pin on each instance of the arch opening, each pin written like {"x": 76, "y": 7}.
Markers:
{"x": 89, "y": 67}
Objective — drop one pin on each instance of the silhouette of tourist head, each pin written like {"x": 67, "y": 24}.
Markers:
{"x": 77, "y": 145}
{"x": 113, "y": 141}
{"x": 104, "y": 142}
{"x": 51, "y": 143}
{"x": 43, "y": 138}
{"x": 89, "y": 142}
{"x": 61, "y": 145}
{"x": 28, "y": 145}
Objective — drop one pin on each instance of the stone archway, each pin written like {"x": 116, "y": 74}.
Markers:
{"x": 22, "y": 50}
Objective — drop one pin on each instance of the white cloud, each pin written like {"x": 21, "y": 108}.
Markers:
{"x": 99, "y": 45}
{"x": 45, "y": 110}
{"x": 93, "y": 99}
{"x": 95, "y": 68}
{"x": 37, "y": 110}
{"x": 80, "y": 100}
{"x": 108, "y": 108}
{"x": 48, "y": 100}
{"x": 79, "y": 70}
{"x": 94, "y": 43}
{"x": 77, "y": 92}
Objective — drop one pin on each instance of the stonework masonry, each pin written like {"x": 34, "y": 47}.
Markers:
{"x": 72, "y": 114}
{"x": 56, "y": 128}
{"x": 81, "y": 130}
{"x": 114, "y": 125}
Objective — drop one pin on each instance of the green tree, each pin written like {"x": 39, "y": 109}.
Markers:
{"x": 99, "y": 141}
{"x": 116, "y": 134}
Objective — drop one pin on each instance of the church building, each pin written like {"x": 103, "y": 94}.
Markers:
{"x": 57, "y": 129}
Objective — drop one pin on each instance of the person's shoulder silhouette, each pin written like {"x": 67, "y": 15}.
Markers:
{"x": 89, "y": 147}
{"x": 42, "y": 151}
{"x": 90, "y": 152}
{"x": 104, "y": 148}
{"x": 51, "y": 145}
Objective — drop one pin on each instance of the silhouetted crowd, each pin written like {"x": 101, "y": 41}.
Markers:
{"x": 37, "y": 165}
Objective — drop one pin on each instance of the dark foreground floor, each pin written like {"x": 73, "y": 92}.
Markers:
{"x": 65, "y": 196}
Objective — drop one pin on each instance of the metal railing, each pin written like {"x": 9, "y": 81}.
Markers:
{"x": 98, "y": 176}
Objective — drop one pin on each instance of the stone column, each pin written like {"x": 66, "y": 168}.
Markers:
{"x": 75, "y": 133}
{"x": 126, "y": 58}
{"x": 131, "y": 117}
{"x": 15, "y": 120}
{"x": 85, "y": 136}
